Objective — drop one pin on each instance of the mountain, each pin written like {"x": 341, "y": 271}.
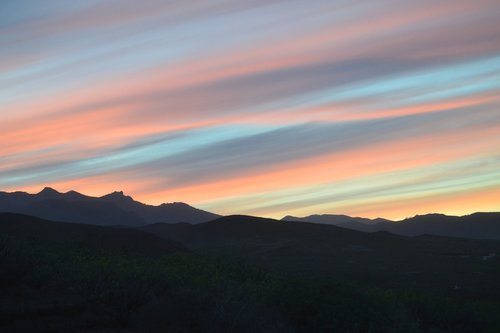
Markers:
{"x": 103, "y": 239}
{"x": 175, "y": 212}
{"x": 112, "y": 209}
{"x": 338, "y": 220}
{"x": 477, "y": 225}
{"x": 379, "y": 258}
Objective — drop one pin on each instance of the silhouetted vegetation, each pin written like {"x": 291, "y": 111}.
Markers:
{"x": 52, "y": 285}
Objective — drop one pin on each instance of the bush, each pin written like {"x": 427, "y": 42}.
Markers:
{"x": 190, "y": 293}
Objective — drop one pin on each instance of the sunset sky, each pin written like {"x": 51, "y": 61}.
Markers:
{"x": 271, "y": 108}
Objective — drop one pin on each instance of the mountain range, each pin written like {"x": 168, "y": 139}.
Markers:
{"x": 477, "y": 225}
{"x": 118, "y": 209}
{"x": 112, "y": 209}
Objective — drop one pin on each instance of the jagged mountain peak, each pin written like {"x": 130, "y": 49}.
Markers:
{"x": 117, "y": 195}
{"x": 176, "y": 203}
{"x": 115, "y": 208}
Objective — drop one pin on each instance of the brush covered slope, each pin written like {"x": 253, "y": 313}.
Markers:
{"x": 379, "y": 259}
{"x": 111, "y": 209}
{"x": 97, "y": 238}
{"x": 60, "y": 277}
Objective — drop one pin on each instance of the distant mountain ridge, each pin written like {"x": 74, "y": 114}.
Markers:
{"x": 116, "y": 208}
{"x": 112, "y": 209}
{"x": 477, "y": 225}
{"x": 334, "y": 219}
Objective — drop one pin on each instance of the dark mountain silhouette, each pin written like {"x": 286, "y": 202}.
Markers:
{"x": 338, "y": 220}
{"x": 477, "y": 225}
{"x": 112, "y": 209}
{"x": 378, "y": 258}
{"x": 175, "y": 212}
{"x": 103, "y": 239}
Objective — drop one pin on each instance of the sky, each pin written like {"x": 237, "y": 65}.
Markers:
{"x": 271, "y": 108}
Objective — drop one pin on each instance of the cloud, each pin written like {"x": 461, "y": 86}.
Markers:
{"x": 219, "y": 96}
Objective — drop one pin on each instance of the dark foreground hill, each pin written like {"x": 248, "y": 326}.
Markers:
{"x": 244, "y": 275}
{"x": 112, "y": 209}
{"x": 95, "y": 238}
{"x": 381, "y": 258}
{"x": 477, "y": 225}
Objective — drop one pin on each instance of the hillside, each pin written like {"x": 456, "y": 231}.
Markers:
{"x": 380, "y": 258}
{"x": 243, "y": 274}
{"x": 96, "y": 238}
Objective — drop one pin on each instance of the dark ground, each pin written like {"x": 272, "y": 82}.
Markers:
{"x": 241, "y": 274}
